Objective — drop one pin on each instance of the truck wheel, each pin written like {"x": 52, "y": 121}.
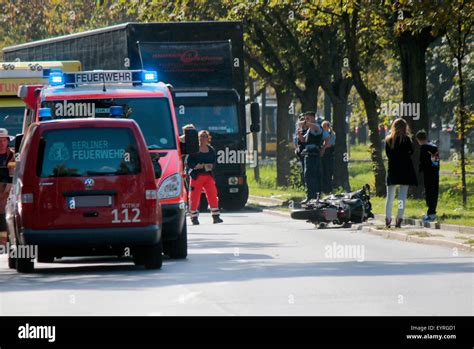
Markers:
{"x": 236, "y": 202}
{"x": 153, "y": 256}
{"x": 178, "y": 249}
{"x": 24, "y": 265}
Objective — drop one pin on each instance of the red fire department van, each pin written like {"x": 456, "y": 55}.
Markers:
{"x": 84, "y": 187}
{"x": 93, "y": 94}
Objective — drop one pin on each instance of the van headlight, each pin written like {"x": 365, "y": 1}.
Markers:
{"x": 170, "y": 187}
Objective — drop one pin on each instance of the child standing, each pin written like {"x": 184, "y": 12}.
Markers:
{"x": 429, "y": 165}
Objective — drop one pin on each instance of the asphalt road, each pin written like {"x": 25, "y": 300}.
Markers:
{"x": 255, "y": 264}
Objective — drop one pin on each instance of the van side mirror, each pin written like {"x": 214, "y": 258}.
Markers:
{"x": 255, "y": 117}
{"x": 157, "y": 168}
{"x": 191, "y": 139}
{"x": 18, "y": 139}
{"x": 155, "y": 160}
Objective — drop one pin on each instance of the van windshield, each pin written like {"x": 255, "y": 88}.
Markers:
{"x": 88, "y": 152}
{"x": 153, "y": 115}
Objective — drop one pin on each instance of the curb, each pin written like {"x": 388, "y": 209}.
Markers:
{"x": 265, "y": 200}
{"x": 268, "y": 211}
{"x": 434, "y": 225}
{"x": 428, "y": 241}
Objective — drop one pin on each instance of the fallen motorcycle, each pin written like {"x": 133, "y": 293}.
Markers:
{"x": 339, "y": 209}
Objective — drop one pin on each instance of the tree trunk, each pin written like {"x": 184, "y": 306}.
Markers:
{"x": 341, "y": 172}
{"x": 309, "y": 98}
{"x": 412, "y": 57}
{"x": 256, "y": 170}
{"x": 327, "y": 107}
{"x": 283, "y": 121}
{"x": 376, "y": 150}
{"x": 462, "y": 131}
{"x": 263, "y": 128}
{"x": 369, "y": 97}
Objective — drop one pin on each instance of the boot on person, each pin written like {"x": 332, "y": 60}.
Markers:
{"x": 216, "y": 219}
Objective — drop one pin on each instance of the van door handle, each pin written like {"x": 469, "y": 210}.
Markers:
{"x": 91, "y": 214}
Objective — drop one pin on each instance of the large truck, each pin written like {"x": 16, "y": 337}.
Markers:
{"x": 202, "y": 61}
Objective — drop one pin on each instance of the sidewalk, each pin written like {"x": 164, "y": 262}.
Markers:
{"x": 413, "y": 230}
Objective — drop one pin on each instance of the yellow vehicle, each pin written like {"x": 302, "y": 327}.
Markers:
{"x": 15, "y": 74}
{"x": 12, "y": 108}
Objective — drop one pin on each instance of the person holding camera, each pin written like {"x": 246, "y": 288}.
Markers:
{"x": 311, "y": 140}
{"x": 299, "y": 145}
{"x": 200, "y": 167}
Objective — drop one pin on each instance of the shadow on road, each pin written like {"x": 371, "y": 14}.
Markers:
{"x": 207, "y": 267}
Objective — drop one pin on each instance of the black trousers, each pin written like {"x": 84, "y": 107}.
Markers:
{"x": 301, "y": 158}
{"x": 312, "y": 176}
{"x": 431, "y": 190}
{"x": 327, "y": 164}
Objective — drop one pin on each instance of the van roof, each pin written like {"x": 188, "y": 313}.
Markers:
{"x": 87, "y": 122}
{"x": 112, "y": 90}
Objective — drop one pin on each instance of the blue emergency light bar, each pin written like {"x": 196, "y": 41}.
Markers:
{"x": 103, "y": 77}
{"x": 150, "y": 76}
{"x": 45, "y": 114}
{"x": 116, "y": 111}
{"x": 56, "y": 77}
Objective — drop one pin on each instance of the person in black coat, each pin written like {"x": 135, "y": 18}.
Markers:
{"x": 399, "y": 149}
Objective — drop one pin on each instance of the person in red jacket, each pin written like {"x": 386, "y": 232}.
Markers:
{"x": 200, "y": 167}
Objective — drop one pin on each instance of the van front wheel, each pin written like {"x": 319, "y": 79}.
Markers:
{"x": 178, "y": 249}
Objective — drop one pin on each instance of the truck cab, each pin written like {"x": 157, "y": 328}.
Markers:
{"x": 94, "y": 94}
